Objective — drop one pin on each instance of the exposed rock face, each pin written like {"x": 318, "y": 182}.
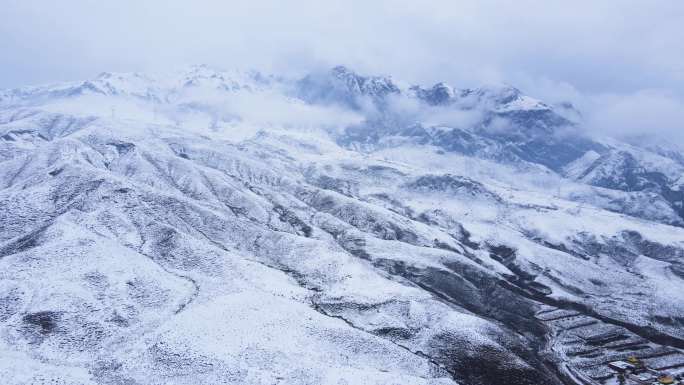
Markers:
{"x": 151, "y": 235}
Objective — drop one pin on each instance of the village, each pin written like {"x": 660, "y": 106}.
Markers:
{"x": 598, "y": 353}
{"x": 634, "y": 372}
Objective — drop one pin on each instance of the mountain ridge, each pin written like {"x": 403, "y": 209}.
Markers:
{"x": 221, "y": 228}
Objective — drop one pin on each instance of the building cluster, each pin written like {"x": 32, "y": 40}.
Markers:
{"x": 634, "y": 372}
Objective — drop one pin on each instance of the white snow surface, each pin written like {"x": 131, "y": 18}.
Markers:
{"x": 205, "y": 227}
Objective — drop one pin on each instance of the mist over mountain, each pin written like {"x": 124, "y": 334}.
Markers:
{"x": 207, "y": 226}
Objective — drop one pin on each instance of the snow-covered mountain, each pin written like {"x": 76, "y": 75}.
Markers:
{"x": 213, "y": 227}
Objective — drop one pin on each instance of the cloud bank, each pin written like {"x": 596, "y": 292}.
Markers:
{"x": 614, "y": 55}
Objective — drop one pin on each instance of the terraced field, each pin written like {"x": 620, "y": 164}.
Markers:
{"x": 587, "y": 345}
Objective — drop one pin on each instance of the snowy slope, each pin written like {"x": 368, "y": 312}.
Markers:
{"x": 222, "y": 227}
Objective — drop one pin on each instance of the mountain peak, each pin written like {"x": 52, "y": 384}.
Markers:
{"x": 374, "y": 86}
{"x": 439, "y": 94}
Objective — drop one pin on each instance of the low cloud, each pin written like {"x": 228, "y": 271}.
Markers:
{"x": 411, "y": 110}
{"x": 265, "y": 108}
{"x": 655, "y": 114}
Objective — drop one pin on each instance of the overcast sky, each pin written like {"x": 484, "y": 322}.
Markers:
{"x": 612, "y": 54}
